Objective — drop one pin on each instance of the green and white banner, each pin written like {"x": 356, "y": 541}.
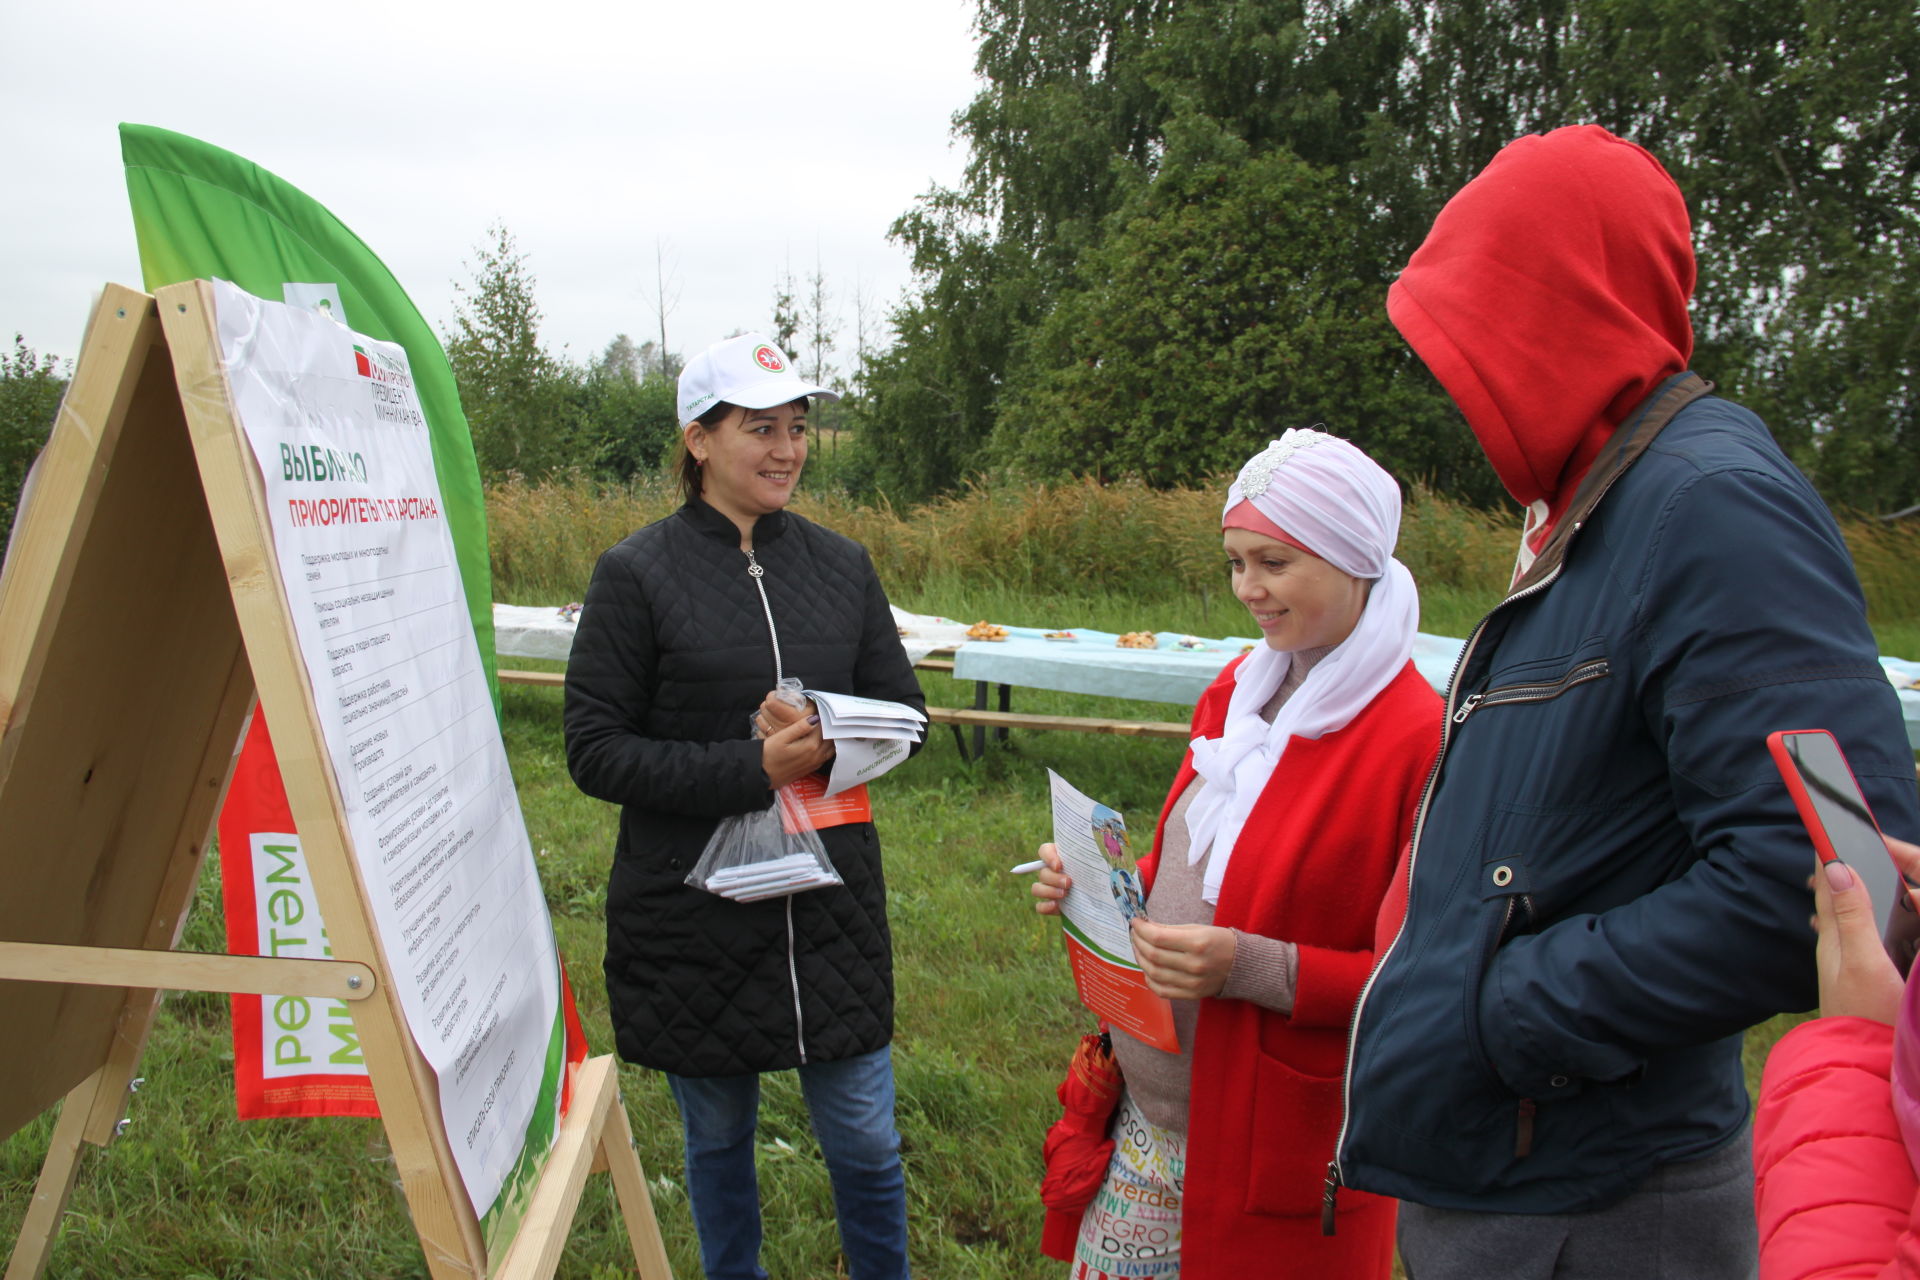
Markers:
{"x": 203, "y": 213}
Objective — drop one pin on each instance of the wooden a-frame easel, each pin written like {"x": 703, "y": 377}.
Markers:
{"x": 139, "y": 614}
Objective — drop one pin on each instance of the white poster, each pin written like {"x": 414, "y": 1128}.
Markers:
{"x": 367, "y": 562}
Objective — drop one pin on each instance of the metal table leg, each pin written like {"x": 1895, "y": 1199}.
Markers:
{"x": 980, "y": 730}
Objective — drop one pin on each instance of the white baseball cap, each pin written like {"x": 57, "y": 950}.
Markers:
{"x": 748, "y": 371}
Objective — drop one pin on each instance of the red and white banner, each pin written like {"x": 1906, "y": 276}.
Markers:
{"x": 292, "y": 1056}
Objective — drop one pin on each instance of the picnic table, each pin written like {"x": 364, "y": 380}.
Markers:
{"x": 1177, "y": 669}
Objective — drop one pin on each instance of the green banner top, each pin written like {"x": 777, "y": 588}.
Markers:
{"x": 200, "y": 212}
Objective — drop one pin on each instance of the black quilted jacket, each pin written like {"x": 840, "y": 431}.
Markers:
{"x": 672, "y": 656}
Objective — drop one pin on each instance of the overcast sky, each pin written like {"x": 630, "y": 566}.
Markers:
{"x": 738, "y": 134}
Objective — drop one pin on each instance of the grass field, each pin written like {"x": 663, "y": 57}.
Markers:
{"x": 986, "y": 1013}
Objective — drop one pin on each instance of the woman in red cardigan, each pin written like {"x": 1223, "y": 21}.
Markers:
{"x": 1276, "y": 845}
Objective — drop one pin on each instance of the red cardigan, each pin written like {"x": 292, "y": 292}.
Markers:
{"x": 1310, "y": 867}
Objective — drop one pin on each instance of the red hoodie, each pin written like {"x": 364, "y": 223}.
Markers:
{"x": 1550, "y": 299}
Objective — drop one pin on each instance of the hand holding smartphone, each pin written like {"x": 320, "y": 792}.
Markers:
{"x": 1842, "y": 826}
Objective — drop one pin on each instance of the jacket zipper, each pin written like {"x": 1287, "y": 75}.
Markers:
{"x": 1544, "y": 692}
{"x": 757, "y": 573}
{"x": 1335, "y": 1177}
{"x": 1515, "y": 901}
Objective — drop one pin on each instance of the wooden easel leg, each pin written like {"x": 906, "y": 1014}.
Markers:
{"x": 594, "y": 1134}
{"x": 42, "y": 1223}
{"x": 630, "y": 1188}
{"x": 114, "y": 1082}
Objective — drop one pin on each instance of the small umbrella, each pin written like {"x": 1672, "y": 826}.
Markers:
{"x": 1077, "y": 1149}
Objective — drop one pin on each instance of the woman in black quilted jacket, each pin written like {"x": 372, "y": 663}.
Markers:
{"x": 689, "y": 623}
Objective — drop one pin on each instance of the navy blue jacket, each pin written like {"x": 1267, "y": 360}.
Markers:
{"x": 1608, "y": 879}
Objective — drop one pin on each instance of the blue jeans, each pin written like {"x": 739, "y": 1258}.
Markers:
{"x": 850, "y": 1104}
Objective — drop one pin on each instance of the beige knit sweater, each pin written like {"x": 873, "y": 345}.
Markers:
{"x": 1263, "y": 968}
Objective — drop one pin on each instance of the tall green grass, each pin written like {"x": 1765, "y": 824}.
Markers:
{"x": 1073, "y": 541}
{"x": 1074, "y": 548}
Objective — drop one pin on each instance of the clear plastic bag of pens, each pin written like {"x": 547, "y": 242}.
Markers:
{"x": 771, "y": 852}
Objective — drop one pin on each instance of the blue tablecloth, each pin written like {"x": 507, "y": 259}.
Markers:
{"x": 1181, "y": 667}
{"x": 1178, "y": 670}
{"x": 1906, "y": 681}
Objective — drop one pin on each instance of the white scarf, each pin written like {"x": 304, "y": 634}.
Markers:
{"x": 1338, "y": 502}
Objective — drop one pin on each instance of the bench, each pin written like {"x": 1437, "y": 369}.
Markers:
{"x": 978, "y": 717}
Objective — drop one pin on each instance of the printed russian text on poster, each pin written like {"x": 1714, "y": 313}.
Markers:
{"x": 368, "y": 566}
{"x": 1098, "y": 857}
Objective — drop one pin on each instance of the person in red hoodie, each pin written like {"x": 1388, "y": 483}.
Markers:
{"x": 1836, "y": 1134}
{"x": 1607, "y": 884}
{"x": 1275, "y": 845}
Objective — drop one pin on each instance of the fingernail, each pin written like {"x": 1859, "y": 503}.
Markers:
{"x": 813, "y": 719}
{"x": 1839, "y": 878}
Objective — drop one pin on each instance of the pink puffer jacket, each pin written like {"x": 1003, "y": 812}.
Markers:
{"x": 1835, "y": 1189}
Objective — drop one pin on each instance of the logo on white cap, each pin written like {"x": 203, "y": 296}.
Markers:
{"x": 747, "y": 370}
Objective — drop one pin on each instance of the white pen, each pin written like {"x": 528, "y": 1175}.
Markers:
{"x": 1025, "y": 868}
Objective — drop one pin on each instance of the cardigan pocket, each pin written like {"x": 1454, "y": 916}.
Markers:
{"x": 1296, "y": 1122}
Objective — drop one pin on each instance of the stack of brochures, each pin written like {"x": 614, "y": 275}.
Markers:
{"x": 770, "y": 879}
{"x": 844, "y": 715}
{"x": 871, "y": 735}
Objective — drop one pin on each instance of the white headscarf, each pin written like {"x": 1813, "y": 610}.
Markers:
{"x": 1338, "y": 503}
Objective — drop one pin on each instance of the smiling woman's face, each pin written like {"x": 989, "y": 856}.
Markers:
{"x": 751, "y": 460}
{"x": 1298, "y": 600}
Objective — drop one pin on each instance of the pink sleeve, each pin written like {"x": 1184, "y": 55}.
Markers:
{"x": 1834, "y": 1192}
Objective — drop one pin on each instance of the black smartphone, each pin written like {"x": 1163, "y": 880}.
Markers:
{"x": 1841, "y": 826}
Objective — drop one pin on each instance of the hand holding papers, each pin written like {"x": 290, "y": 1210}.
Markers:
{"x": 870, "y": 735}
{"x": 1106, "y": 894}
{"x": 778, "y": 851}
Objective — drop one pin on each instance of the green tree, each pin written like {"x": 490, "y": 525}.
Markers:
{"x": 1084, "y": 108}
{"x": 30, "y": 391}
{"x": 1794, "y": 128}
{"x": 785, "y": 326}
{"x": 931, "y": 398}
{"x": 1792, "y": 125}
{"x": 822, "y": 327}
{"x": 1230, "y": 306}
{"x": 620, "y": 359}
{"x": 627, "y": 401}
{"x": 523, "y": 404}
